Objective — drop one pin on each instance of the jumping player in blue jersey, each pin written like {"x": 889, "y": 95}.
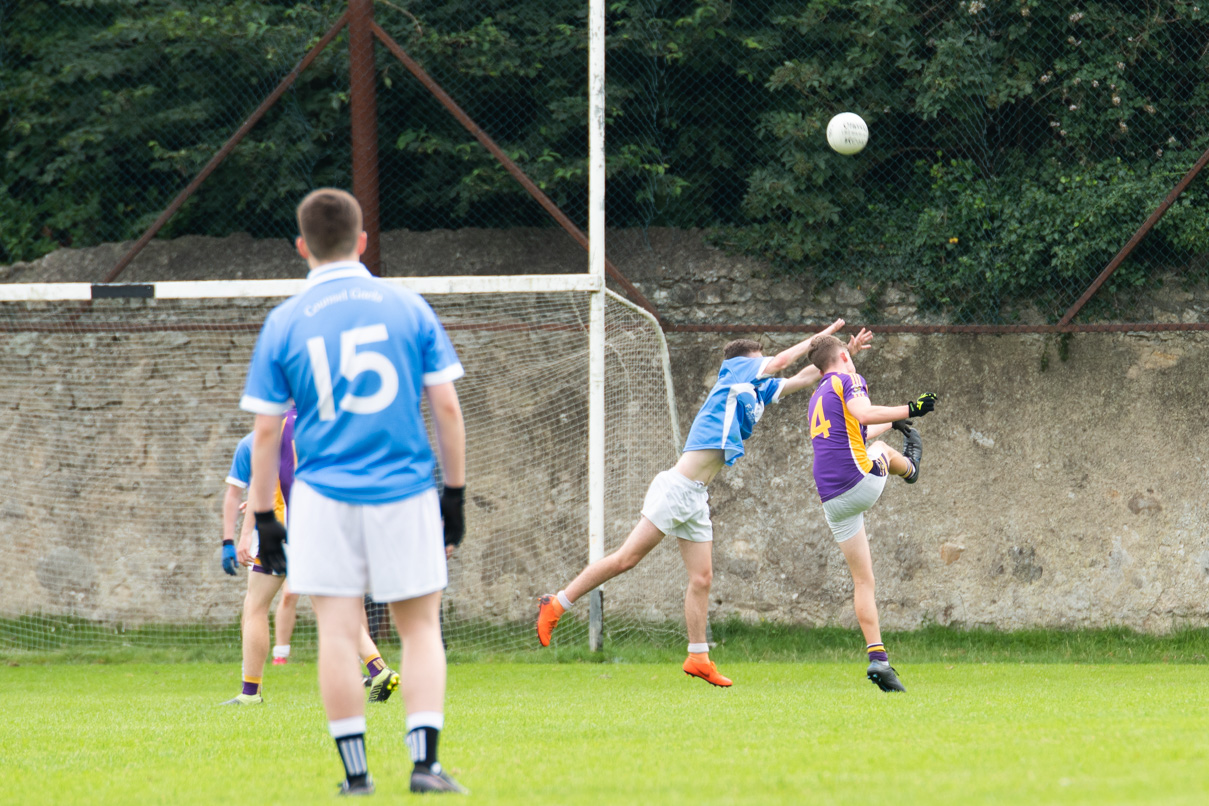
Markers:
{"x": 677, "y": 503}
{"x": 356, "y": 355}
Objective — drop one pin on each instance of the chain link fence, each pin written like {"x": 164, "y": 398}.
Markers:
{"x": 1015, "y": 145}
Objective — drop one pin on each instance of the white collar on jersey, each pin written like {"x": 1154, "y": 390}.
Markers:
{"x": 336, "y": 271}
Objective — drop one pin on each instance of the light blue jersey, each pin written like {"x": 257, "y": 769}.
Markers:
{"x": 354, "y": 354}
{"x": 240, "y": 474}
{"x": 734, "y": 406}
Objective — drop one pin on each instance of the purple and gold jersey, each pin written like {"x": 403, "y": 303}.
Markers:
{"x": 240, "y": 474}
{"x": 840, "y": 459}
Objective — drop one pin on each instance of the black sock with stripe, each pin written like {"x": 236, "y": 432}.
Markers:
{"x": 422, "y": 742}
{"x": 352, "y": 753}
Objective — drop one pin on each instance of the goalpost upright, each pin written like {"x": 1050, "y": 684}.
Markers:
{"x": 596, "y": 335}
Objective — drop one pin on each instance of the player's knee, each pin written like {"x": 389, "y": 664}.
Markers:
{"x": 886, "y": 450}
{"x": 626, "y": 560}
{"x": 290, "y": 600}
{"x": 702, "y": 578}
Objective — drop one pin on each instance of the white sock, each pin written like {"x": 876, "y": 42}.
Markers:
{"x": 346, "y": 727}
{"x": 425, "y": 719}
{"x": 281, "y": 651}
{"x": 697, "y": 649}
{"x": 564, "y": 601}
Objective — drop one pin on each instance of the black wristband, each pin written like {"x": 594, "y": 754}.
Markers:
{"x": 265, "y": 517}
{"x": 228, "y": 542}
{"x": 454, "y": 493}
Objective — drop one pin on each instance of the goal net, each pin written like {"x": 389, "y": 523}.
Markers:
{"x": 121, "y": 418}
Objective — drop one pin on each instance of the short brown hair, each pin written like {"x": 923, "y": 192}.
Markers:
{"x": 824, "y": 350}
{"x": 330, "y": 222}
{"x": 740, "y": 347}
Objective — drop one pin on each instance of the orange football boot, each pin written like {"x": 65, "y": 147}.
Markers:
{"x": 549, "y": 610}
{"x": 706, "y": 670}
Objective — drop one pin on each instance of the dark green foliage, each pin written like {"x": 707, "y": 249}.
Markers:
{"x": 1015, "y": 144}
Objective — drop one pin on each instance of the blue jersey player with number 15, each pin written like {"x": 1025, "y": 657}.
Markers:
{"x": 356, "y": 355}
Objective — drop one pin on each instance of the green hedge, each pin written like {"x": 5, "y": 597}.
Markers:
{"x": 1015, "y": 144}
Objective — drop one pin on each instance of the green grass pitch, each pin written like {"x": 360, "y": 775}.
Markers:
{"x": 581, "y": 733}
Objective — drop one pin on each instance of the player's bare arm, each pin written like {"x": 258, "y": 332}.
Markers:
{"x": 450, "y": 430}
{"x": 266, "y": 452}
{"x": 809, "y": 375}
{"x": 790, "y": 355}
{"x": 876, "y": 430}
{"x": 230, "y": 511}
{"x": 243, "y": 547}
{"x": 868, "y": 414}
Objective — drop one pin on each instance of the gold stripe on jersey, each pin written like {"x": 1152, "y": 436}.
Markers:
{"x": 856, "y": 443}
{"x": 278, "y": 498}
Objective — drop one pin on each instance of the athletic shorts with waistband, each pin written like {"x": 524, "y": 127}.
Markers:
{"x": 679, "y": 506}
{"x": 391, "y": 551}
{"x": 846, "y": 512}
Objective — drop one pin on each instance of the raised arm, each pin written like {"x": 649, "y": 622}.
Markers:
{"x": 790, "y": 355}
{"x": 859, "y": 342}
{"x": 809, "y": 375}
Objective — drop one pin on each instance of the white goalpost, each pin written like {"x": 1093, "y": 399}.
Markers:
{"x": 596, "y": 270}
{"x": 120, "y": 419}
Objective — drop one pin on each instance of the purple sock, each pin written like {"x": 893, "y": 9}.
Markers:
{"x": 376, "y": 666}
{"x": 251, "y": 689}
{"x": 877, "y": 652}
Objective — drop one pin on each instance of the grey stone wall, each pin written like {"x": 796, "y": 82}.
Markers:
{"x": 1055, "y": 491}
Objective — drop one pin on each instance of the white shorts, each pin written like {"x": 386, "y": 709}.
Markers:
{"x": 679, "y": 507}
{"x": 391, "y": 551}
{"x": 846, "y": 512}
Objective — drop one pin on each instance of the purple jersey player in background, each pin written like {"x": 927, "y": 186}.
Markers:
{"x": 851, "y": 474}
{"x": 263, "y": 584}
{"x": 237, "y": 482}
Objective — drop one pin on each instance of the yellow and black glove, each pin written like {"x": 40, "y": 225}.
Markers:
{"x": 922, "y": 405}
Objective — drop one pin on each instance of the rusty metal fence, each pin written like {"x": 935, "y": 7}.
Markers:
{"x": 1032, "y": 166}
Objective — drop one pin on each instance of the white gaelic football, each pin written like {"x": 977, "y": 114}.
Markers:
{"x": 847, "y": 133}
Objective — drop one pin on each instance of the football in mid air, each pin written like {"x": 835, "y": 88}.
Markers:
{"x": 847, "y": 133}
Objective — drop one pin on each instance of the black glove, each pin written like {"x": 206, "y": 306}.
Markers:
{"x": 921, "y": 406}
{"x": 272, "y": 537}
{"x": 903, "y": 425}
{"x": 453, "y": 504}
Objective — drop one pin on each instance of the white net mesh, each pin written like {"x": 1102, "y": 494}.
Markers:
{"x": 120, "y": 423}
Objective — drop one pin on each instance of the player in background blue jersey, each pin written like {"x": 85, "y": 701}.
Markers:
{"x": 263, "y": 585}
{"x": 677, "y": 503}
{"x": 287, "y": 608}
{"x": 356, "y": 355}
